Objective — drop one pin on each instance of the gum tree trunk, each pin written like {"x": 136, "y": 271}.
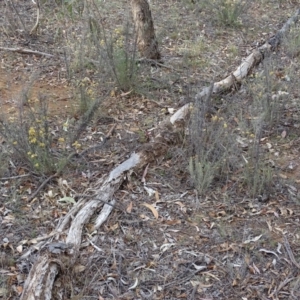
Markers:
{"x": 146, "y": 39}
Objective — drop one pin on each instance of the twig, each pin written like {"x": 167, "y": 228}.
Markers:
{"x": 34, "y": 28}
{"x": 41, "y": 186}
{"x": 281, "y": 285}
{"x": 14, "y": 177}
{"x": 157, "y": 103}
{"x": 107, "y": 136}
{"x": 26, "y": 51}
{"x": 290, "y": 253}
{"x": 194, "y": 291}
{"x": 152, "y": 61}
{"x": 95, "y": 246}
{"x": 182, "y": 280}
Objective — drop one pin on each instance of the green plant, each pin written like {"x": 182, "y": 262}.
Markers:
{"x": 212, "y": 146}
{"x": 113, "y": 52}
{"x": 71, "y": 7}
{"x": 227, "y": 12}
{"x": 124, "y": 69}
{"x": 292, "y": 41}
{"x": 263, "y": 116}
{"x": 258, "y": 177}
{"x": 29, "y": 136}
{"x": 4, "y": 289}
{"x": 230, "y": 11}
{"x": 202, "y": 172}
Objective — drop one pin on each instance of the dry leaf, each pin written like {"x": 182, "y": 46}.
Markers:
{"x": 283, "y": 134}
{"x": 145, "y": 173}
{"x": 268, "y": 251}
{"x": 114, "y": 227}
{"x": 256, "y": 269}
{"x": 172, "y": 222}
{"x": 283, "y": 176}
{"x": 150, "y": 191}
{"x": 152, "y": 208}
{"x": 134, "y": 285}
{"x": 19, "y": 289}
{"x": 182, "y": 206}
{"x": 253, "y": 239}
{"x": 234, "y": 283}
{"x": 156, "y": 196}
{"x": 129, "y": 207}
{"x": 79, "y": 268}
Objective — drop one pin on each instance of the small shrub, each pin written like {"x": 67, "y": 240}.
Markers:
{"x": 213, "y": 148}
{"x": 226, "y": 12}
{"x": 292, "y": 41}
{"x": 43, "y": 143}
{"x": 112, "y": 55}
{"x": 124, "y": 69}
{"x": 229, "y": 139}
{"x": 258, "y": 177}
{"x": 30, "y": 137}
{"x": 263, "y": 116}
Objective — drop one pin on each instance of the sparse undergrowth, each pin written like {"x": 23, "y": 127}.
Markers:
{"x": 229, "y": 239}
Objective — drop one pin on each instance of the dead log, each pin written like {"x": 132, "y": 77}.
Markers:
{"x": 252, "y": 60}
{"x": 42, "y": 274}
{"x": 146, "y": 39}
{"x": 55, "y": 257}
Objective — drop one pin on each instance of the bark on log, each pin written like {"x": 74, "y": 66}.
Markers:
{"x": 39, "y": 283}
{"x": 252, "y": 60}
{"x": 42, "y": 275}
{"x": 146, "y": 39}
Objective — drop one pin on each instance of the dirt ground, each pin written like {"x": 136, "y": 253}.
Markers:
{"x": 173, "y": 244}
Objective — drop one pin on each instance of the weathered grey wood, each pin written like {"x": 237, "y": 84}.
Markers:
{"x": 251, "y": 61}
{"x": 41, "y": 277}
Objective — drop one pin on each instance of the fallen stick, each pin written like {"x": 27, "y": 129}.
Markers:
{"x": 40, "y": 280}
{"x": 36, "y": 25}
{"x": 26, "y": 51}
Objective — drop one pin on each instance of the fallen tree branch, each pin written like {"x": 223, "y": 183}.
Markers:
{"x": 82, "y": 212}
{"x": 252, "y": 60}
{"x": 38, "y": 284}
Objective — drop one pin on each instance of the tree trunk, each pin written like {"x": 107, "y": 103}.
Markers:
{"x": 146, "y": 39}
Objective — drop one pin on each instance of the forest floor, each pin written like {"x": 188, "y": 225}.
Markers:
{"x": 164, "y": 239}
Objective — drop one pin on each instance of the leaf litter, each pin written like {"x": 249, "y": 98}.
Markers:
{"x": 227, "y": 248}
